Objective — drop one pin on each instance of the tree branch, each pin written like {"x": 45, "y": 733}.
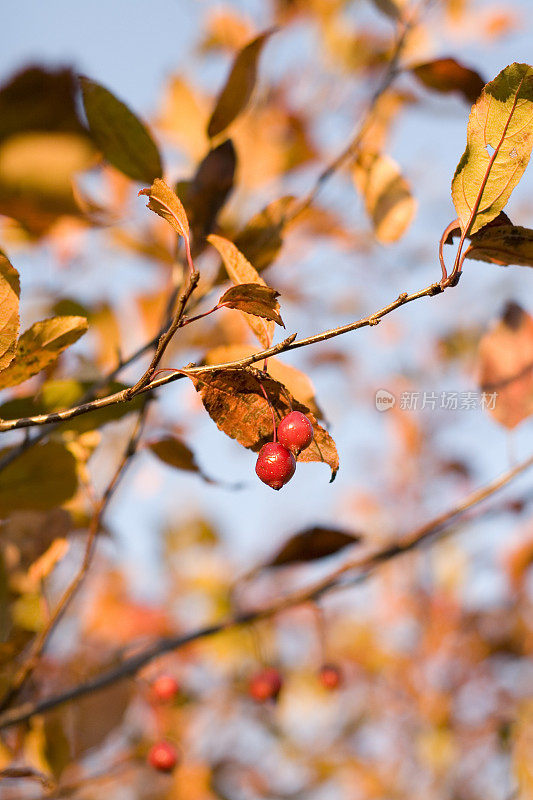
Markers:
{"x": 366, "y": 564}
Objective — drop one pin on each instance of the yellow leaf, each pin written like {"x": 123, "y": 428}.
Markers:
{"x": 387, "y": 195}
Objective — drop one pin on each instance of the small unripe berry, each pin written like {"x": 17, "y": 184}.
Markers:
{"x": 275, "y": 465}
{"x": 165, "y": 688}
{"x": 265, "y": 685}
{"x": 163, "y": 756}
{"x": 295, "y": 431}
{"x": 330, "y": 676}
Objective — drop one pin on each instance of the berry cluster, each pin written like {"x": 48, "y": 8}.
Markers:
{"x": 276, "y": 462}
{"x": 266, "y": 684}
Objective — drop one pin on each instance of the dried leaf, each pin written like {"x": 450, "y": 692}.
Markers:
{"x": 448, "y": 75}
{"x": 206, "y": 193}
{"x": 175, "y": 453}
{"x": 391, "y": 8}
{"x": 261, "y": 239}
{"x": 40, "y": 346}
{"x": 165, "y": 203}
{"x": 297, "y": 382}
{"x": 41, "y": 478}
{"x": 506, "y": 366}
{"x": 121, "y": 137}
{"x": 499, "y": 142}
{"x": 9, "y": 310}
{"x": 253, "y": 299}
{"x": 239, "y": 86}
{"x": 234, "y": 401}
{"x": 240, "y": 270}
{"x": 387, "y": 195}
{"x": 503, "y": 245}
{"x": 312, "y": 544}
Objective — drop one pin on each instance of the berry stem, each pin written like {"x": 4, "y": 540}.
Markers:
{"x": 271, "y": 410}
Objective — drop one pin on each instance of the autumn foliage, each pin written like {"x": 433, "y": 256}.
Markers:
{"x": 172, "y": 290}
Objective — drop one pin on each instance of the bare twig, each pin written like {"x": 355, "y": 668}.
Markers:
{"x": 365, "y": 564}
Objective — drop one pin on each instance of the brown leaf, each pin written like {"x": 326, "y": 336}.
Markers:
{"x": 261, "y": 239}
{"x": 240, "y": 270}
{"x": 175, "y": 453}
{"x": 119, "y": 134}
{"x": 448, "y": 75}
{"x": 239, "y": 86}
{"x": 297, "y": 382}
{"x": 206, "y": 193}
{"x": 234, "y": 401}
{"x": 40, "y": 346}
{"x": 312, "y": 544}
{"x": 166, "y": 204}
{"x": 253, "y": 299}
{"x": 506, "y": 366}
{"x": 9, "y": 310}
{"x": 41, "y": 478}
{"x": 502, "y": 244}
{"x": 387, "y": 195}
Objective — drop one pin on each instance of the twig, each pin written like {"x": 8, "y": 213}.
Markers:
{"x": 366, "y": 565}
{"x": 291, "y": 343}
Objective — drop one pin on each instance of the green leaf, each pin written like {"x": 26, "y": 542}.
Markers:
{"x": 239, "y": 86}
{"x": 121, "y": 137}
{"x": 166, "y": 204}
{"x": 499, "y": 142}
{"x": 9, "y": 311}
{"x": 40, "y": 346}
{"x": 253, "y": 299}
{"x": 40, "y": 478}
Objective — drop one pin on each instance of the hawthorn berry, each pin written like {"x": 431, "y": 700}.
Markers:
{"x": 275, "y": 465}
{"x": 165, "y": 688}
{"x": 330, "y": 676}
{"x": 163, "y": 756}
{"x": 295, "y": 431}
{"x": 265, "y": 685}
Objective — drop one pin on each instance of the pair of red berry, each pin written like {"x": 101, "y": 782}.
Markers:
{"x": 276, "y": 462}
{"x": 267, "y": 683}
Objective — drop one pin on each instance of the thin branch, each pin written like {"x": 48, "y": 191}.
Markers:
{"x": 291, "y": 343}
{"x": 366, "y": 564}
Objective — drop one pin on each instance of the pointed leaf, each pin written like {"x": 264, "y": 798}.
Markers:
{"x": 41, "y": 478}
{"x": 499, "y": 142}
{"x": 312, "y": 544}
{"x": 166, "y": 203}
{"x": 121, "y": 137}
{"x": 175, "y": 453}
{"x": 9, "y": 310}
{"x": 40, "y": 346}
{"x": 506, "y": 366}
{"x": 239, "y": 86}
{"x": 240, "y": 270}
{"x": 235, "y": 402}
{"x": 387, "y": 195}
{"x": 448, "y": 75}
{"x": 253, "y": 299}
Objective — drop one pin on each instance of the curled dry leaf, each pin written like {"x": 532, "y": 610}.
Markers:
{"x": 253, "y": 298}
{"x": 240, "y": 270}
{"x": 312, "y": 544}
{"x": 9, "y": 310}
{"x": 503, "y": 245}
{"x": 506, "y": 366}
{"x": 234, "y": 401}
{"x": 448, "y": 75}
{"x": 119, "y": 134}
{"x": 239, "y": 86}
{"x": 499, "y": 142}
{"x": 166, "y": 204}
{"x": 387, "y": 195}
{"x": 40, "y": 346}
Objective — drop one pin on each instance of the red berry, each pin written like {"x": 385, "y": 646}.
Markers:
{"x": 163, "y": 756}
{"x": 165, "y": 688}
{"x": 330, "y": 676}
{"x": 295, "y": 431}
{"x": 275, "y": 465}
{"x": 265, "y": 685}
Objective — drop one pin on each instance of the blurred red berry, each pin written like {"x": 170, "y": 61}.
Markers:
{"x": 265, "y": 685}
{"x": 165, "y": 688}
{"x": 163, "y": 756}
{"x": 330, "y": 676}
